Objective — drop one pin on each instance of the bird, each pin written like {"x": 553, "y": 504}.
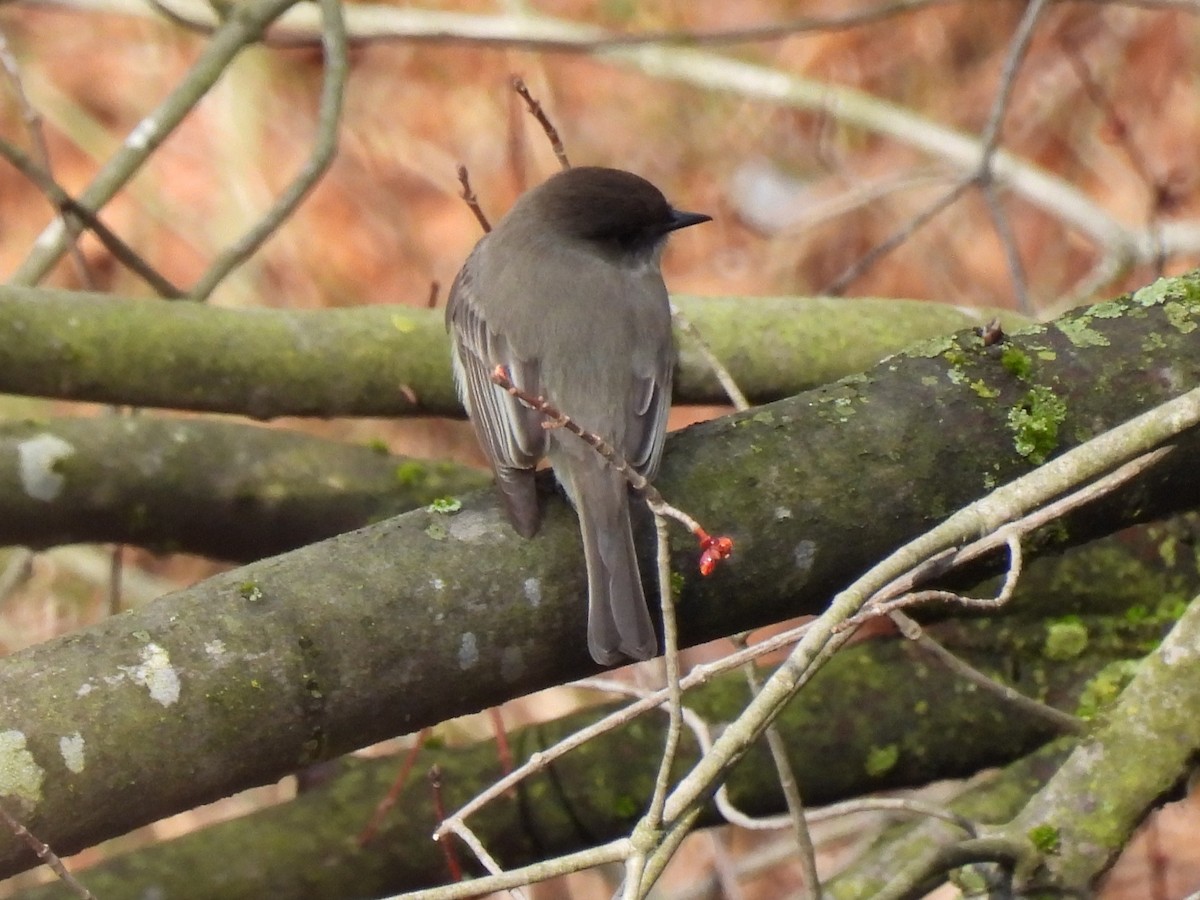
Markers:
{"x": 567, "y": 294}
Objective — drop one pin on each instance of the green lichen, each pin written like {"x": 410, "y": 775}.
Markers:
{"x": 1109, "y": 309}
{"x": 881, "y": 760}
{"x": 1153, "y": 342}
{"x": 981, "y": 389}
{"x": 1065, "y": 640}
{"x": 378, "y": 445}
{"x": 1154, "y": 294}
{"x": 932, "y": 348}
{"x": 1035, "y": 422}
{"x": 1045, "y": 838}
{"x": 1180, "y": 316}
{"x": 444, "y": 505}
{"x": 1016, "y": 362}
{"x": 436, "y": 531}
{"x": 1105, "y": 686}
{"x": 955, "y": 356}
{"x": 20, "y": 775}
{"x": 250, "y": 590}
{"x": 1079, "y": 331}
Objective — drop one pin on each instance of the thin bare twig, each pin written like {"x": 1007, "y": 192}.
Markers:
{"x": 614, "y": 851}
{"x": 1008, "y": 240}
{"x": 950, "y": 558}
{"x": 434, "y": 776}
{"x": 41, "y": 152}
{"x": 791, "y": 792}
{"x": 1062, "y": 722}
{"x": 982, "y": 176}
{"x": 651, "y": 823}
{"x": 902, "y": 234}
{"x": 455, "y": 28}
{"x": 698, "y": 675}
{"x": 393, "y": 795}
{"x": 336, "y": 68}
{"x": 69, "y": 207}
{"x": 1161, "y": 196}
{"x": 535, "y": 110}
{"x": 671, "y": 657}
{"x": 472, "y": 201}
{"x": 468, "y": 837}
{"x": 242, "y": 28}
{"x": 880, "y": 605}
{"x": 904, "y": 805}
{"x": 724, "y": 376}
{"x": 46, "y": 855}
{"x": 1017, "y": 50}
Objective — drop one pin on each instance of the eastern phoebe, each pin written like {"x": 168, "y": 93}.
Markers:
{"x": 566, "y": 293}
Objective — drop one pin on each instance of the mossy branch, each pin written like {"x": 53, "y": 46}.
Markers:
{"x": 395, "y": 361}
{"x": 217, "y": 488}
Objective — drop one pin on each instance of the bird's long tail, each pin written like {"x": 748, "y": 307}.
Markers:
{"x": 619, "y": 624}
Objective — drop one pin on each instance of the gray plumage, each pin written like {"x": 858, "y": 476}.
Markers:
{"x": 566, "y": 293}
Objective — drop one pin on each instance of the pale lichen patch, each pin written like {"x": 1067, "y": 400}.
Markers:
{"x": 533, "y": 591}
{"x": 468, "y": 652}
{"x": 156, "y": 674}
{"x": 20, "y": 775}
{"x": 37, "y": 463}
{"x": 71, "y": 747}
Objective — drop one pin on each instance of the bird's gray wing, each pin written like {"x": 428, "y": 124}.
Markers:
{"x": 647, "y": 423}
{"x": 510, "y": 433}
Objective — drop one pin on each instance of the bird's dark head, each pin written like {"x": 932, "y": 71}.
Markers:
{"x": 610, "y": 207}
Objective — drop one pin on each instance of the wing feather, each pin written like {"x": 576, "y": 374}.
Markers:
{"x": 647, "y": 424}
{"x": 510, "y": 433}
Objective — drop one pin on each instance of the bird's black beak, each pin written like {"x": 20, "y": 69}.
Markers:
{"x": 681, "y": 219}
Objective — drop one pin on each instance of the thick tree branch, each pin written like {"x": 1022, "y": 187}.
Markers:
{"x": 395, "y": 361}
{"x": 225, "y": 490}
{"x": 301, "y": 657}
{"x": 1095, "y": 801}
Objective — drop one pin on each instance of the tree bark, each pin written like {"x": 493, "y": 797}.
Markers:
{"x": 395, "y": 360}
{"x": 217, "y": 488}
